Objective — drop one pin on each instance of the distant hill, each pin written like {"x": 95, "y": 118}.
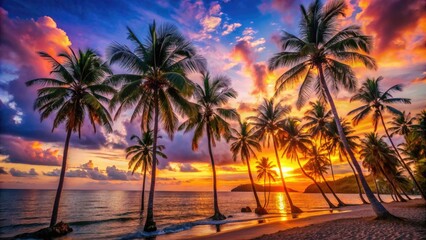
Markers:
{"x": 342, "y": 185}
{"x": 259, "y": 188}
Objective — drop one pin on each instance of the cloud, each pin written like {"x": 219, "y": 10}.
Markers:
{"x": 2, "y": 171}
{"x": 186, "y": 167}
{"x": 19, "y": 150}
{"x": 229, "y": 28}
{"x": 18, "y": 173}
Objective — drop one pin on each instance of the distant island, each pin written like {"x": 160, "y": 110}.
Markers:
{"x": 259, "y": 188}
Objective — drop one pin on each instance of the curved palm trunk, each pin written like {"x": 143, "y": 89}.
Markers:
{"x": 54, "y": 217}
{"x": 403, "y": 192}
{"x": 378, "y": 208}
{"x": 341, "y": 204}
{"x": 259, "y": 209}
{"x": 357, "y": 180}
{"x": 394, "y": 189}
{"x": 150, "y": 225}
{"x": 217, "y": 215}
{"x": 143, "y": 190}
{"x": 293, "y": 208}
{"x": 401, "y": 160}
{"x": 377, "y": 189}
{"x": 330, "y": 204}
{"x": 331, "y": 167}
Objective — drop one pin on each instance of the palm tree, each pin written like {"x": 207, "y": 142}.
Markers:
{"x": 76, "y": 91}
{"x": 265, "y": 170}
{"x": 317, "y": 163}
{"x": 156, "y": 86}
{"x": 324, "y": 50}
{"x": 376, "y": 101}
{"x": 377, "y": 155}
{"x": 336, "y": 146}
{"x": 141, "y": 157}
{"x": 295, "y": 141}
{"x": 402, "y": 124}
{"x": 244, "y": 143}
{"x": 211, "y": 116}
{"x": 270, "y": 116}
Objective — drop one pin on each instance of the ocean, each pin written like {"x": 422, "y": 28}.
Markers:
{"x": 115, "y": 214}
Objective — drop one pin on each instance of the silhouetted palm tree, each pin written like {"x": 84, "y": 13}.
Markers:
{"x": 156, "y": 85}
{"x": 377, "y": 155}
{"x": 77, "y": 91}
{"x": 270, "y": 116}
{"x": 295, "y": 141}
{"x": 210, "y": 116}
{"x": 265, "y": 170}
{"x": 141, "y": 157}
{"x": 244, "y": 143}
{"x": 376, "y": 101}
{"x": 325, "y": 50}
{"x": 317, "y": 163}
{"x": 401, "y": 124}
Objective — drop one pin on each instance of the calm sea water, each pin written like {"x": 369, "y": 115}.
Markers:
{"x": 115, "y": 214}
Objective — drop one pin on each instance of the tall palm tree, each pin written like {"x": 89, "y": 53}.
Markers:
{"x": 295, "y": 141}
{"x": 325, "y": 50}
{"x": 156, "y": 86}
{"x": 244, "y": 143}
{"x": 376, "y": 101}
{"x": 210, "y": 98}
{"x": 141, "y": 157}
{"x": 401, "y": 124}
{"x": 336, "y": 146}
{"x": 270, "y": 116}
{"x": 265, "y": 170}
{"x": 77, "y": 90}
{"x": 377, "y": 155}
{"x": 317, "y": 163}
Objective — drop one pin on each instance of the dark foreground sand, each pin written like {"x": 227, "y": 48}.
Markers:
{"x": 357, "y": 223}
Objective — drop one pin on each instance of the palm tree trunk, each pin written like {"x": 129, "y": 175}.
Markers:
{"x": 341, "y": 204}
{"x": 391, "y": 183}
{"x": 61, "y": 181}
{"x": 331, "y": 167}
{"x": 259, "y": 209}
{"x": 400, "y": 158}
{"x": 378, "y": 208}
{"x": 217, "y": 215}
{"x": 143, "y": 189}
{"x": 405, "y": 193}
{"x": 293, "y": 208}
{"x": 269, "y": 190}
{"x": 264, "y": 192}
{"x": 150, "y": 225}
{"x": 377, "y": 188}
{"x": 356, "y": 179}
{"x": 330, "y": 204}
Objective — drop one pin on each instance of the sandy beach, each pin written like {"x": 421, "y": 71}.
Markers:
{"x": 355, "y": 222}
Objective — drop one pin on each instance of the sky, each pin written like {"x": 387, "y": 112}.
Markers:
{"x": 236, "y": 37}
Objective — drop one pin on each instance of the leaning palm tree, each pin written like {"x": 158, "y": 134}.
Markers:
{"x": 76, "y": 91}
{"x": 210, "y": 115}
{"x": 317, "y": 163}
{"x": 401, "y": 124}
{"x": 270, "y": 116}
{"x": 244, "y": 143}
{"x": 156, "y": 85}
{"x": 141, "y": 157}
{"x": 265, "y": 170}
{"x": 325, "y": 50}
{"x": 335, "y": 145}
{"x": 377, "y": 155}
{"x": 376, "y": 102}
{"x": 295, "y": 141}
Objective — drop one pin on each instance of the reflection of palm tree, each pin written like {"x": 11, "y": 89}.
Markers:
{"x": 379, "y": 158}
{"x": 243, "y": 143}
{"x": 335, "y": 145}
{"x": 376, "y": 101}
{"x": 157, "y": 85}
{"x": 270, "y": 116}
{"x": 141, "y": 157}
{"x": 293, "y": 142}
{"x": 265, "y": 170}
{"x": 210, "y": 97}
{"x": 317, "y": 165}
{"x": 324, "y": 50}
{"x": 73, "y": 94}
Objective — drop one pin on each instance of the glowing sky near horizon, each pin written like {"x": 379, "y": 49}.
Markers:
{"x": 236, "y": 37}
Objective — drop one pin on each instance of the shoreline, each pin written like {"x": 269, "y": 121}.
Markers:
{"x": 351, "y": 217}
